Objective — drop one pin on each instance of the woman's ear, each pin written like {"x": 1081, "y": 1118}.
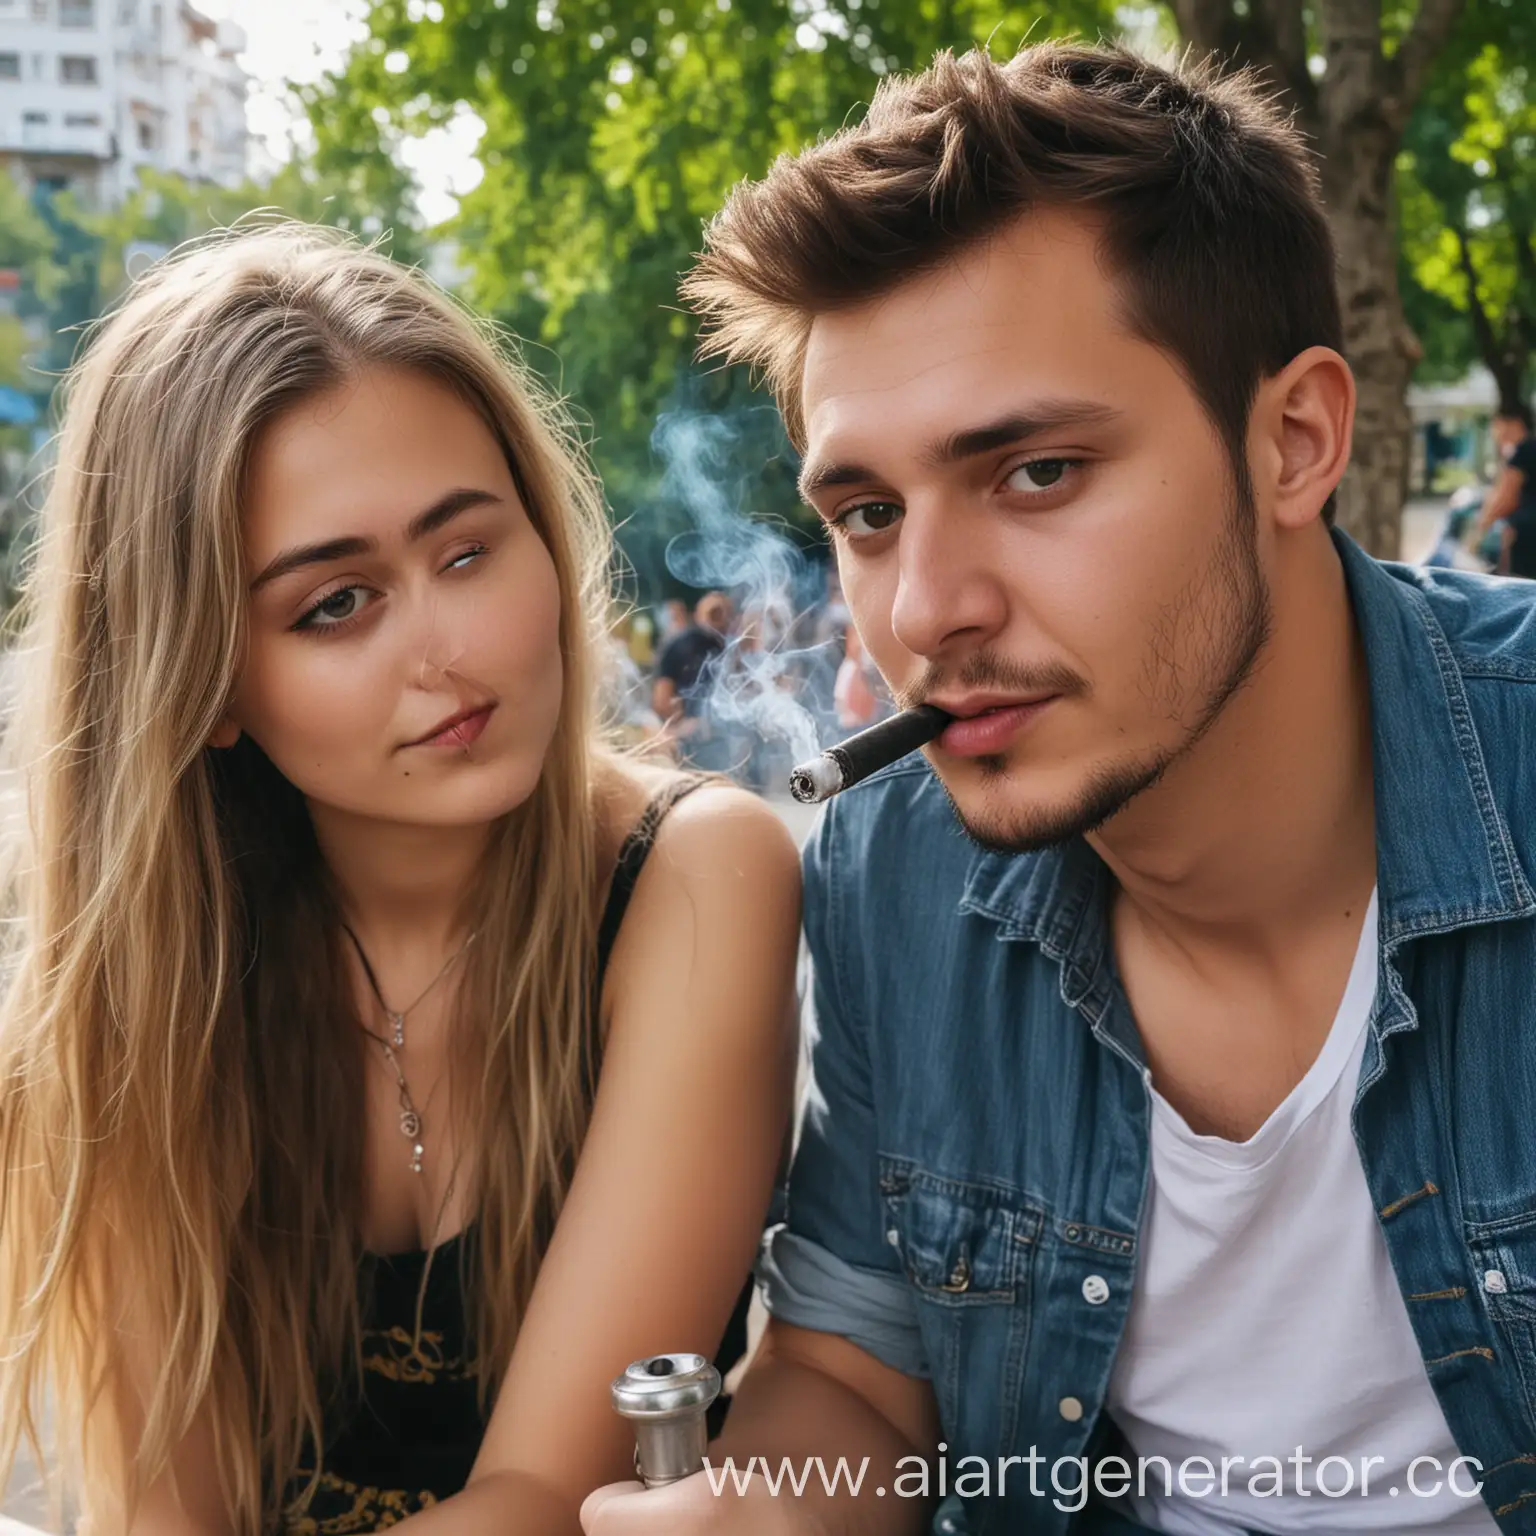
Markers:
{"x": 225, "y": 734}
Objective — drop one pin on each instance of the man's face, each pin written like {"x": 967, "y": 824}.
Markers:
{"x": 714, "y": 612}
{"x": 1036, "y": 526}
{"x": 1508, "y": 433}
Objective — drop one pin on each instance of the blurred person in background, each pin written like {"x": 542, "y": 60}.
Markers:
{"x": 675, "y": 619}
{"x": 858, "y": 695}
{"x": 624, "y": 689}
{"x": 345, "y": 1010}
{"x": 1512, "y": 500}
{"x": 686, "y": 672}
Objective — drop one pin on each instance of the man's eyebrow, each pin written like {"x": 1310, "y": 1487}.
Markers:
{"x": 1017, "y": 427}
{"x": 443, "y": 510}
{"x": 1048, "y": 416}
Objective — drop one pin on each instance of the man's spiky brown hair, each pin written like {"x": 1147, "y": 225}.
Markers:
{"x": 1205, "y": 194}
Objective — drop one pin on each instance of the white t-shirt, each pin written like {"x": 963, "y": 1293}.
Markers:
{"x": 1266, "y": 1323}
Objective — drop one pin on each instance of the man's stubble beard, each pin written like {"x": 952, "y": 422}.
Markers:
{"x": 1230, "y": 601}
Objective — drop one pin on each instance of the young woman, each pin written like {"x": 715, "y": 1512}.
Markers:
{"x": 386, "y": 1064}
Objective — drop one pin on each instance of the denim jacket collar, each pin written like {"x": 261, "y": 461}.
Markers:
{"x": 1429, "y": 769}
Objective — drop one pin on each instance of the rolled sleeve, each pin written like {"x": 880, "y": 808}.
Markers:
{"x": 807, "y": 1285}
{"x": 829, "y": 1266}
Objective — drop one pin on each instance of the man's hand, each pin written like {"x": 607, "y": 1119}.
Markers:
{"x": 692, "y": 1508}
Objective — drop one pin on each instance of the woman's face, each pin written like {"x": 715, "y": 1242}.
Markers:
{"x": 404, "y": 661}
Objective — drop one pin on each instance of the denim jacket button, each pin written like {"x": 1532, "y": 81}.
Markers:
{"x": 1070, "y": 1409}
{"x": 1095, "y": 1290}
{"x": 893, "y": 1237}
{"x": 1494, "y": 1282}
{"x": 959, "y": 1276}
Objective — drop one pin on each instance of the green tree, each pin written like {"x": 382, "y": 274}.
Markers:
{"x": 26, "y": 250}
{"x": 1467, "y": 193}
{"x": 93, "y": 249}
{"x": 613, "y": 130}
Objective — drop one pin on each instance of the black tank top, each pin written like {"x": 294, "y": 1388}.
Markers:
{"x": 412, "y": 1437}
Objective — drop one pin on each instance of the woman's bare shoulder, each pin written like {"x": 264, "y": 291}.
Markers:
{"x": 714, "y": 819}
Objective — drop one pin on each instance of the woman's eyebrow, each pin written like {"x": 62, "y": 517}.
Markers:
{"x": 443, "y": 510}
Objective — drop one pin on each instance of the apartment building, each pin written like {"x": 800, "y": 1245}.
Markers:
{"x": 91, "y": 90}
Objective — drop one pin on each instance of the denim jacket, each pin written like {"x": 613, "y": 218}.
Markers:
{"x": 969, "y": 1183}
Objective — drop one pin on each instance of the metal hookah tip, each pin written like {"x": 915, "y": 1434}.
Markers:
{"x": 666, "y": 1398}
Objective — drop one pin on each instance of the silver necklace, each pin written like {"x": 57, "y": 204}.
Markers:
{"x": 410, "y": 1116}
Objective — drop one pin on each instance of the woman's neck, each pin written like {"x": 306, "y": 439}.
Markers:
{"x": 401, "y": 887}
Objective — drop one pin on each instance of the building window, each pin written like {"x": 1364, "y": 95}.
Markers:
{"x": 10, "y": 66}
{"x": 77, "y": 13}
{"x": 82, "y": 120}
{"x": 39, "y": 10}
{"x": 34, "y": 130}
{"x": 146, "y": 134}
{"x": 77, "y": 69}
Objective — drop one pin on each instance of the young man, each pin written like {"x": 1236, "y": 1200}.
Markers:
{"x": 1172, "y": 1141}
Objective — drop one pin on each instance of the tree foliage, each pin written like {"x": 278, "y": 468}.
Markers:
{"x": 26, "y": 248}
{"x": 1467, "y": 200}
{"x": 96, "y": 250}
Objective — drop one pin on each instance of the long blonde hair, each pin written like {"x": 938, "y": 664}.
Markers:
{"x": 179, "y": 1119}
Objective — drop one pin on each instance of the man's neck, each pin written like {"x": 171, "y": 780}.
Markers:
{"x": 1268, "y": 823}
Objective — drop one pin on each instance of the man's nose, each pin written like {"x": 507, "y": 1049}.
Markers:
{"x": 948, "y": 588}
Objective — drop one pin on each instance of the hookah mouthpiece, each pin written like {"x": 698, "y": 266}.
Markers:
{"x": 665, "y": 1397}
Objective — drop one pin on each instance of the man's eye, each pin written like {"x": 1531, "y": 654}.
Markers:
{"x": 1038, "y": 474}
{"x": 868, "y": 517}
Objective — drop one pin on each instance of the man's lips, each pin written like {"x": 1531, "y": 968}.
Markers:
{"x": 982, "y": 728}
{"x": 457, "y": 730}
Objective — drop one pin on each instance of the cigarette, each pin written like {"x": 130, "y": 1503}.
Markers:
{"x": 840, "y": 767}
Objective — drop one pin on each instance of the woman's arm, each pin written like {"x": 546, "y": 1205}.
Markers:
{"x": 187, "y": 1498}
{"x": 667, "y": 1205}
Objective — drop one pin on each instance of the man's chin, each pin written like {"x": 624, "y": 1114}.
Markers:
{"x": 1002, "y": 811}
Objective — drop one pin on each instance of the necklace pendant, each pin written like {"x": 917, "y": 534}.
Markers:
{"x": 410, "y": 1124}
{"x": 416, "y": 1152}
{"x": 398, "y": 1019}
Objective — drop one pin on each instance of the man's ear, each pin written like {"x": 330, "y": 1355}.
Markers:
{"x": 1303, "y": 422}
{"x": 225, "y": 734}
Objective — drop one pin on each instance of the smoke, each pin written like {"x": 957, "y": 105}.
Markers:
{"x": 757, "y": 683}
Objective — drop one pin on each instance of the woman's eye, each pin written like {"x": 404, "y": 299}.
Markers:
{"x": 1039, "y": 474}
{"x": 469, "y": 554}
{"x": 343, "y": 604}
{"x": 868, "y": 517}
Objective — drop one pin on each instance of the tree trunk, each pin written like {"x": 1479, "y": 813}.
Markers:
{"x": 1355, "y": 115}
{"x": 1505, "y": 359}
{"x": 1359, "y": 139}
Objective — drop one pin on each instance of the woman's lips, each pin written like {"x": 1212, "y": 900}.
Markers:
{"x": 989, "y": 733}
{"x": 462, "y": 731}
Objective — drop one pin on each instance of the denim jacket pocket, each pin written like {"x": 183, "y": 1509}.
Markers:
{"x": 1504, "y": 1269}
{"x": 967, "y": 1248}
